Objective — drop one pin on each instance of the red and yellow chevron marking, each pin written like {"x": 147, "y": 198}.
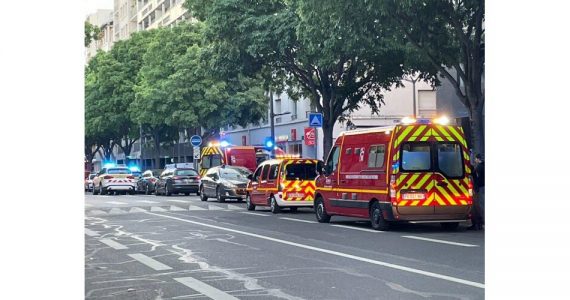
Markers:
{"x": 454, "y": 193}
{"x": 298, "y": 190}
{"x": 211, "y": 151}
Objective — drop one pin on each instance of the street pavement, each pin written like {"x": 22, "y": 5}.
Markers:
{"x": 178, "y": 247}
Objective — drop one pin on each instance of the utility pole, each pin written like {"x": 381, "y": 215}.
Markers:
{"x": 413, "y": 81}
{"x": 141, "y": 146}
{"x": 272, "y": 116}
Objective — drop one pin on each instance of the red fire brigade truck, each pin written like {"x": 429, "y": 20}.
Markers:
{"x": 417, "y": 171}
{"x": 250, "y": 157}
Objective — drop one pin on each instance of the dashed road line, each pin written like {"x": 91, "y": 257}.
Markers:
{"x": 90, "y": 232}
{"x": 234, "y": 207}
{"x": 116, "y": 202}
{"x": 194, "y": 207}
{"x": 206, "y": 289}
{"x": 113, "y": 244}
{"x": 157, "y": 208}
{"x": 176, "y": 208}
{"x": 214, "y": 207}
{"x": 297, "y": 220}
{"x": 439, "y": 241}
{"x": 179, "y": 201}
{"x": 150, "y": 262}
{"x": 357, "y": 228}
{"x": 148, "y": 201}
{"x": 336, "y": 253}
{"x": 255, "y": 214}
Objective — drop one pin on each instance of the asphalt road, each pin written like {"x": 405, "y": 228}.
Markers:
{"x": 178, "y": 247}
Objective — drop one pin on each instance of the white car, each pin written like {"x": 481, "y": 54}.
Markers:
{"x": 114, "y": 180}
{"x": 89, "y": 182}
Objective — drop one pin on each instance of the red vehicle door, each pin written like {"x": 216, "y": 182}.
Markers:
{"x": 254, "y": 184}
{"x": 331, "y": 180}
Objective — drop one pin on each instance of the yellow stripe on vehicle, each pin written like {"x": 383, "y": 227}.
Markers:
{"x": 448, "y": 197}
{"x": 458, "y": 136}
{"x": 415, "y": 203}
{"x": 417, "y": 133}
{"x": 403, "y": 203}
{"x": 402, "y": 135}
{"x": 424, "y": 179}
{"x": 445, "y": 133}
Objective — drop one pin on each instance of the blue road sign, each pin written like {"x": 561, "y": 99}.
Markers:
{"x": 196, "y": 140}
{"x": 316, "y": 120}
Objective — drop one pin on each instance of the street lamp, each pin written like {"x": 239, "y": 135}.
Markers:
{"x": 272, "y": 116}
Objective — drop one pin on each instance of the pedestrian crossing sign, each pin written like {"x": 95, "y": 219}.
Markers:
{"x": 316, "y": 120}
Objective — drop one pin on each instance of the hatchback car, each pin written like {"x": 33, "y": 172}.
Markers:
{"x": 177, "y": 180}
{"x": 89, "y": 182}
{"x": 224, "y": 182}
{"x": 146, "y": 182}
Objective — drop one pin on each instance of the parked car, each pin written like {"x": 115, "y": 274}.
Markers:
{"x": 146, "y": 182}
{"x": 89, "y": 182}
{"x": 224, "y": 182}
{"x": 114, "y": 180}
{"x": 283, "y": 183}
{"x": 177, "y": 180}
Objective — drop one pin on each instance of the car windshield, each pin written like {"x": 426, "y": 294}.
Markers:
{"x": 188, "y": 172}
{"x": 243, "y": 171}
{"x": 119, "y": 171}
{"x": 231, "y": 173}
{"x": 300, "y": 172}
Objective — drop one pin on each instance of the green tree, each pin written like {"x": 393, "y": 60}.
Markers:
{"x": 451, "y": 36}
{"x": 332, "y": 61}
{"x": 92, "y": 33}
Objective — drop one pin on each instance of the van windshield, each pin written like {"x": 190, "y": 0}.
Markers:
{"x": 300, "y": 172}
{"x": 416, "y": 157}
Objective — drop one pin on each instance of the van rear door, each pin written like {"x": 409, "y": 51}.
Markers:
{"x": 415, "y": 186}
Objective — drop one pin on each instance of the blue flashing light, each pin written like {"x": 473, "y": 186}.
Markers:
{"x": 134, "y": 169}
{"x": 269, "y": 143}
{"x": 224, "y": 144}
{"x": 109, "y": 165}
{"x": 424, "y": 121}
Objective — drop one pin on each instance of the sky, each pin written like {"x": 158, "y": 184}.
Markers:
{"x": 90, "y": 6}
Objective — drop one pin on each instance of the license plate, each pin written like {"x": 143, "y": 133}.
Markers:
{"x": 413, "y": 196}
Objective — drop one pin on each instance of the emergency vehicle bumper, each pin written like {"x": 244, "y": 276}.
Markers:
{"x": 393, "y": 215}
{"x": 120, "y": 187}
{"x": 289, "y": 203}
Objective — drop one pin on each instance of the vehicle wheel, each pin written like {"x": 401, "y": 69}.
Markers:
{"x": 321, "y": 212}
{"x": 186, "y": 194}
{"x": 147, "y": 190}
{"x": 202, "y": 195}
{"x": 132, "y": 192}
{"x": 219, "y": 195}
{"x": 274, "y": 206}
{"x": 95, "y": 191}
{"x": 239, "y": 199}
{"x": 376, "y": 218}
{"x": 293, "y": 209}
{"x": 450, "y": 225}
{"x": 198, "y": 193}
{"x": 248, "y": 204}
{"x": 102, "y": 190}
{"x": 166, "y": 191}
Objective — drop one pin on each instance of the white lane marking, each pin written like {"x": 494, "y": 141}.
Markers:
{"x": 356, "y": 228}
{"x": 297, "y": 220}
{"x": 193, "y": 207}
{"x": 88, "y": 205}
{"x": 205, "y": 289}
{"x": 179, "y": 201}
{"x": 113, "y": 244}
{"x": 115, "y": 210}
{"x": 148, "y": 201}
{"x": 136, "y": 209}
{"x": 255, "y": 214}
{"x": 116, "y": 202}
{"x": 176, "y": 208}
{"x": 341, "y": 254}
{"x": 213, "y": 207}
{"x": 157, "y": 208}
{"x": 150, "y": 262}
{"x": 90, "y": 232}
{"x": 96, "y": 212}
{"x": 230, "y": 206}
{"x": 439, "y": 241}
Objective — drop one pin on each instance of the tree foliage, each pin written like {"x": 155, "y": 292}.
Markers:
{"x": 333, "y": 61}
{"x": 92, "y": 33}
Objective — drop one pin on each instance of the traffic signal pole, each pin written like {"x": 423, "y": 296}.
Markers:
{"x": 272, "y": 122}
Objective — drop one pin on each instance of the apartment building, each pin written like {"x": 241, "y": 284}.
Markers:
{"x": 103, "y": 19}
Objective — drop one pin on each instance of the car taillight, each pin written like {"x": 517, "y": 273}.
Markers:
{"x": 393, "y": 186}
{"x": 470, "y": 186}
{"x": 108, "y": 177}
{"x": 130, "y": 177}
{"x": 176, "y": 177}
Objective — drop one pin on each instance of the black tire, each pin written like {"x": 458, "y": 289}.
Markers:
{"x": 203, "y": 196}
{"x": 186, "y": 194}
{"x": 95, "y": 191}
{"x": 147, "y": 190}
{"x": 197, "y": 193}
{"x": 248, "y": 204}
{"x": 274, "y": 206}
{"x": 293, "y": 209}
{"x": 219, "y": 196}
{"x": 166, "y": 191}
{"x": 239, "y": 199}
{"x": 377, "y": 218}
{"x": 450, "y": 225}
{"x": 132, "y": 192}
{"x": 156, "y": 193}
{"x": 321, "y": 212}
{"x": 102, "y": 190}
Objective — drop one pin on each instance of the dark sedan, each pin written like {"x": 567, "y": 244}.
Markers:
{"x": 146, "y": 181}
{"x": 223, "y": 182}
{"x": 177, "y": 180}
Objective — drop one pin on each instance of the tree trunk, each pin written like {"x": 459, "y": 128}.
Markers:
{"x": 156, "y": 137}
{"x": 327, "y": 138}
{"x": 477, "y": 129}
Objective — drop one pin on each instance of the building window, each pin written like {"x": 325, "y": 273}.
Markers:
{"x": 427, "y": 103}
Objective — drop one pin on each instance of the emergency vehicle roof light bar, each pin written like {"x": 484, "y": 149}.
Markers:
{"x": 443, "y": 120}
{"x": 408, "y": 120}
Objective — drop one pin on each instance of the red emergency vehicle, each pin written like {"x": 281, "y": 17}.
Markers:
{"x": 417, "y": 171}
{"x": 245, "y": 156}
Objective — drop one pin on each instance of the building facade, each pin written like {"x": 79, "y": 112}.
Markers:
{"x": 102, "y": 18}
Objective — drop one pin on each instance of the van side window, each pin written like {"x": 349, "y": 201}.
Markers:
{"x": 255, "y": 176}
{"x": 264, "y": 172}
{"x": 332, "y": 160}
{"x": 348, "y": 151}
{"x": 376, "y": 156}
{"x": 273, "y": 172}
